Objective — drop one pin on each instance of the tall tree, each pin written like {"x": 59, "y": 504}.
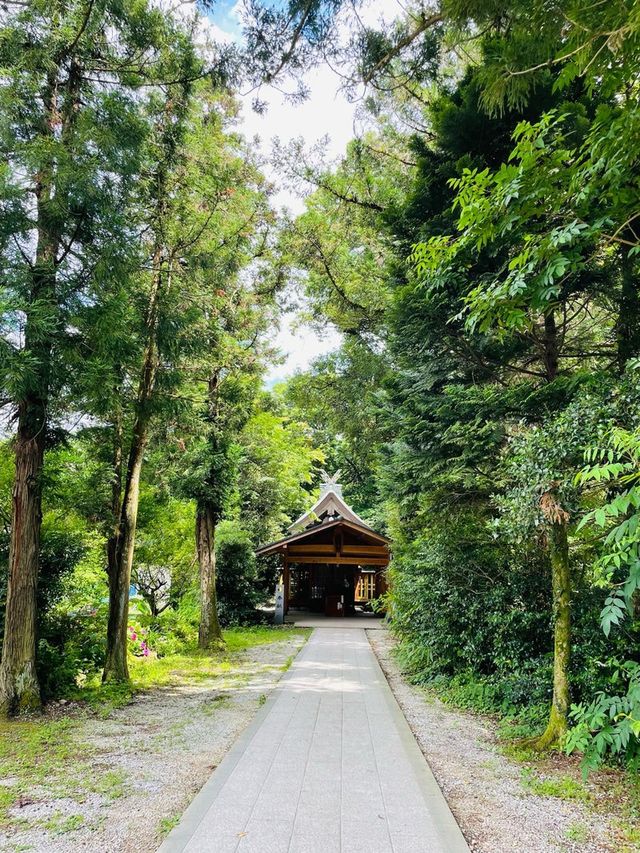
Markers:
{"x": 166, "y": 238}
{"x": 70, "y": 136}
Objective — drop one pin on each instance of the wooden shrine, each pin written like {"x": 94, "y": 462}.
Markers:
{"x": 333, "y": 562}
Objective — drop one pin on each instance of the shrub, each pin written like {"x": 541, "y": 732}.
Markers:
{"x": 238, "y": 593}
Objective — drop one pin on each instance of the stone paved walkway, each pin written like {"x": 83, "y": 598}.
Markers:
{"x": 329, "y": 764}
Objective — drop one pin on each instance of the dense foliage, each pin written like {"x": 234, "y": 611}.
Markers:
{"x": 492, "y": 212}
{"x": 478, "y": 249}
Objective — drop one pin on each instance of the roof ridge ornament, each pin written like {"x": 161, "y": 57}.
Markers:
{"x": 329, "y": 507}
{"x": 330, "y": 484}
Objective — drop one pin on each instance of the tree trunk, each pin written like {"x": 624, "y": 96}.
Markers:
{"x": 116, "y": 495}
{"x": 210, "y": 633}
{"x": 550, "y": 346}
{"x": 116, "y": 667}
{"x": 628, "y": 325}
{"x": 121, "y": 551}
{"x": 561, "y": 583}
{"x": 19, "y": 690}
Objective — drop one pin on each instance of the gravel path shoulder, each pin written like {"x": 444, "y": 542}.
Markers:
{"x": 484, "y": 788}
{"x": 157, "y": 753}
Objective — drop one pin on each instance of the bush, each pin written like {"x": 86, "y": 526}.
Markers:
{"x": 72, "y": 649}
{"x": 175, "y": 630}
{"x": 238, "y": 592}
{"x": 463, "y": 604}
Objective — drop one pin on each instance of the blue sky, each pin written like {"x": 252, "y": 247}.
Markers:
{"x": 223, "y": 16}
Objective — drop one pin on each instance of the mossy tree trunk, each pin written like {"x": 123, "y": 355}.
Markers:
{"x": 561, "y": 585}
{"x": 209, "y": 633}
{"x": 116, "y": 667}
{"x": 19, "y": 689}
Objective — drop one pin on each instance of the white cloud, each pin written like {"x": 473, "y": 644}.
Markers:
{"x": 325, "y": 113}
{"x": 300, "y": 345}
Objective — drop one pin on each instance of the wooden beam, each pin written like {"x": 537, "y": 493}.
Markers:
{"x": 371, "y": 550}
{"x": 311, "y": 549}
{"x": 341, "y": 561}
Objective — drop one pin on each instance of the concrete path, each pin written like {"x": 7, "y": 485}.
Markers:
{"x": 329, "y": 764}
{"x": 304, "y": 619}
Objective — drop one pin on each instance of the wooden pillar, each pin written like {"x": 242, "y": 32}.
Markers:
{"x": 285, "y": 580}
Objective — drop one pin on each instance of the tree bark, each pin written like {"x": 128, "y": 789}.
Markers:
{"x": 628, "y": 325}
{"x": 210, "y": 633}
{"x": 19, "y": 689}
{"x": 121, "y": 550}
{"x": 550, "y": 346}
{"x": 116, "y": 494}
{"x": 116, "y": 667}
{"x": 561, "y": 584}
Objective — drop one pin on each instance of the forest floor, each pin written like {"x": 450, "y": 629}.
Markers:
{"x": 506, "y": 800}
{"x": 116, "y": 776}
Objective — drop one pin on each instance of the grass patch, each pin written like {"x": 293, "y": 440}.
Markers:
{"x": 112, "y": 784}
{"x": 59, "y": 824}
{"x": 624, "y": 798}
{"x": 239, "y": 639}
{"x": 35, "y": 749}
{"x": 631, "y": 835}
{"x": 8, "y": 796}
{"x": 287, "y": 664}
{"x": 167, "y": 824}
{"x": 47, "y": 755}
{"x": 577, "y": 832}
{"x": 562, "y": 787}
{"x": 189, "y": 667}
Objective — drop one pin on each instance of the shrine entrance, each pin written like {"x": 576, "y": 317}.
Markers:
{"x": 333, "y": 562}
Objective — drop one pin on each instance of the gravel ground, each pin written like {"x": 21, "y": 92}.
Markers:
{"x": 484, "y": 788}
{"x": 164, "y": 745}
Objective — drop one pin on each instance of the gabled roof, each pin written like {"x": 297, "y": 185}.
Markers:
{"x": 330, "y": 503}
{"x": 317, "y": 528}
{"x": 328, "y": 512}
